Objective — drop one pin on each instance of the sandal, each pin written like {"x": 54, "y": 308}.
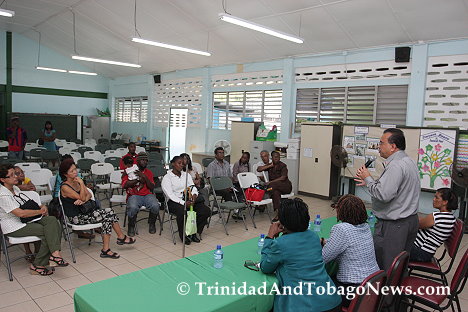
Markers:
{"x": 123, "y": 241}
{"x": 40, "y": 271}
{"x": 112, "y": 255}
{"x": 57, "y": 261}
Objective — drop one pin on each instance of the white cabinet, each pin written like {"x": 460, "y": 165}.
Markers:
{"x": 100, "y": 127}
{"x": 241, "y": 135}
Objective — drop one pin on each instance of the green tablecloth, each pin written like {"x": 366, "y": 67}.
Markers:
{"x": 155, "y": 288}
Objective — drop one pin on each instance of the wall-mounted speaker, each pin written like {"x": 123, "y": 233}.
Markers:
{"x": 157, "y": 78}
{"x": 402, "y": 54}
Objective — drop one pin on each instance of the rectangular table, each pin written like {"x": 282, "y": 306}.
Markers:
{"x": 155, "y": 288}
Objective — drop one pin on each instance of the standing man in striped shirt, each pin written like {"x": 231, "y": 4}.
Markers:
{"x": 395, "y": 198}
{"x": 17, "y": 138}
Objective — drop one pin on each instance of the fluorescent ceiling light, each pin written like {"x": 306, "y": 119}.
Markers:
{"x": 170, "y": 46}
{"x": 266, "y": 30}
{"x": 51, "y": 69}
{"x": 82, "y": 73}
{"x": 91, "y": 59}
{"x": 7, "y": 13}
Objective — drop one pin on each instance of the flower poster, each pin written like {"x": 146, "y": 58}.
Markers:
{"x": 436, "y": 151}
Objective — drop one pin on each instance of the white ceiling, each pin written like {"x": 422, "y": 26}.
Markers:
{"x": 104, "y": 28}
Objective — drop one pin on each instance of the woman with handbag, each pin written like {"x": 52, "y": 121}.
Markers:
{"x": 173, "y": 185}
{"x": 80, "y": 209}
{"x": 12, "y": 212}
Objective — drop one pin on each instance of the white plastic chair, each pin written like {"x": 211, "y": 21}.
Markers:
{"x": 60, "y": 142}
{"x": 198, "y": 168}
{"x": 76, "y": 156}
{"x": 65, "y": 150}
{"x": 97, "y": 156}
{"x": 115, "y": 181}
{"x": 40, "y": 178}
{"x": 246, "y": 179}
{"x": 140, "y": 149}
{"x": 90, "y": 141}
{"x": 74, "y": 227}
{"x": 18, "y": 240}
{"x": 122, "y": 151}
{"x": 70, "y": 145}
{"x": 26, "y": 167}
{"x": 3, "y": 154}
{"x": 30, "y": 146}
{"x": 102, "y": 171}
{"x": 111, "y": 153}
{"x": 3, "y": 143}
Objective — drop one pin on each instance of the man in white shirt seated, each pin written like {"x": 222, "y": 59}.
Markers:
{"x": 265, "y": 156}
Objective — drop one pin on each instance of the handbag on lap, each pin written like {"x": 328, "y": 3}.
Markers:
{"x": 27, "y": 203}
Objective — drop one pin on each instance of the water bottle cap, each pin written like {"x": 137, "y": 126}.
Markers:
{"x": 318, "y": 216}
{"x": 262, "y": 235}
{"x": 218, "y": 246}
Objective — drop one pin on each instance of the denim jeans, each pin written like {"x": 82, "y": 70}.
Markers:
{"x": 135, "y": 202}
{"x": 18, "y": 155}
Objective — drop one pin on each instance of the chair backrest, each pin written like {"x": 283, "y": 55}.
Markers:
{"x": 30, "y": 146}
{"x": 4, "y": 154}
{"x": 3, "y": 143}
{"x": 52, "y": 181}
{"x": 207, "y": 161}
{"x": 370, "y": 301}
{"x": 155, "y": 156}
{"x": 220, "y": 183}
{"x": 102, "y": 148}
{"x": 111, "y": 153}
{"x": 70, "y": 145}
{"x": 116, "y": 177}
{"x": 158, "y": 171}
{"x": 65, "y": 150}
{"x": 92, "y": 141}
{"x": 460, "y": 274}
{"x": 122, "y": 151}
{"x": 50, "y": 155}
{"x": 114, "y": 161}
{"x": 246, "y": 179}
{"x": 93, "y": 155}
{"x": 453, "y": 242}
{"x": 40, "y": 177}
{"x": 397, "y": 269}
{"x": 197, "y": 167}
{"x": 36, "y": 152}
{"x": 103, "y": 140}
{"x": 102, "y": 169}
{"x": 33, "y": 195}
{"x": 76, "y": 156}
{"x": 28, "y": 166}
{"x": 60, "y": 142}
{"x": 85, "y": 163}
{"x": 140, "y": 149}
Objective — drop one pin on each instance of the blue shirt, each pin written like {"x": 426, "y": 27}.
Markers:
{"x": 295, "y": 258}
{"x": 352, "y": 247}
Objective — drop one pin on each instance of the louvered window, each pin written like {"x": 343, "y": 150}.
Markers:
{"x": 391, "y": 105}
{"x": 262, "y": 106}
{"x": 131, "y": 109}
{"x": 352, "y": 105}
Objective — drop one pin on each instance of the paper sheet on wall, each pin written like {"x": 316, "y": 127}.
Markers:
{"x": 308, "y": 152}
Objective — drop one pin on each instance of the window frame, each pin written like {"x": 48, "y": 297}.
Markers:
{"x": 131, "y": 109}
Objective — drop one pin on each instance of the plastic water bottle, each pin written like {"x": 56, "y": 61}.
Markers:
{"x": 317, "y": 224}
{"x": 218, "y": 257}
{"x": 371, "y": 220}
{"x": 261, "y": 242}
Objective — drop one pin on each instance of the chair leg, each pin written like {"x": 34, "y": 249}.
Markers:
{"x": 67, "y": 234}
{"x": 222, "y": 219}
{"x": 7, "y": 258}
{"x": 172, "y": 228}
{"x": 249, "y": 209}
{"x": 243, "y": 220}
{"x": 162, "y": 221}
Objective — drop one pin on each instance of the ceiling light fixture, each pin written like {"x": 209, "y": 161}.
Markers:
{"x": 96, "y": 60}
{"x": 266, "y": 30}
{"x": 7, "y": 13}
{"x": 170, "y": 46}
{"x": 51, "y": 69}
{"x": 82, "y": 73}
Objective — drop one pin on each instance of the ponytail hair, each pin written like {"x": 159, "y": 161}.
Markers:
{"x": 448, "y": 195}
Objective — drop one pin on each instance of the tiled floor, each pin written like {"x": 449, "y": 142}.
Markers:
{"x": 55, "y": 293}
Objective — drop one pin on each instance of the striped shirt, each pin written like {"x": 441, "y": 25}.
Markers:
{"x": 216, "y": 169}
{"x": 430, "y": 239}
